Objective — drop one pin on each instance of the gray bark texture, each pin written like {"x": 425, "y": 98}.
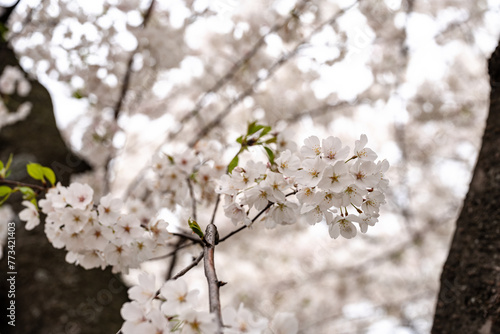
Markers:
{"x": 51, "y": 296}
{"x": 469, "y": 298}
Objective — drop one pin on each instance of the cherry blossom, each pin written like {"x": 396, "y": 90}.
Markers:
{"x": 30, "y": 215}
{"x": 242, "y": 321}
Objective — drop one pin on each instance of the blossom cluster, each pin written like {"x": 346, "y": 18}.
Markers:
{"x": 174, "y": 174}
{"x": 173, "y": 308}
{"x": 322, "y": 181}
{"x": 98, "y": 235}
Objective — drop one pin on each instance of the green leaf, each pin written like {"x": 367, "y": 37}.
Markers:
{"x": 9, "y": 162}
{"x": 270, "y": 154}
{"x": 5, "y": 190}
{"x": 265, "y": 131}
{"x": 4, "y": 169}
{"x": 239, "y": 140}
{"x": 28, "y": 193}
{"x": 49, "y": 174}
{"x": 233, "y": 164}
{"x": 271, "y": 140}
{"x": 77, "y": 94}
{"x": 35, "y": 171}
{"x": 253, "y": 128}
{"x": 193, "y": 225}
{"x": 6, "y": 197}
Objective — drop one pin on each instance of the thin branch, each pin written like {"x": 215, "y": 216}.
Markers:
{"x": 193, "y": 199}
{"x": 245, "y": 226}
{"x": 194, "y": 239}
{"x": 319, "y": 111}
{"x": 23, "y": 184}
{"x": 211, "y": 239}
{"x": 128, "y": 73}
{"x": 125, "y": 88}
{"x": 174, "y": 258}
{"x": 215, "y": 209}
{"x": 190, "y": 266}
{"x": 172, "y": 253}
{"x": 269, "y": 204}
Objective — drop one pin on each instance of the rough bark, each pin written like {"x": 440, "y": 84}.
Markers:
{"x": 51, "y": 296}
{"x": 469, "y": 299}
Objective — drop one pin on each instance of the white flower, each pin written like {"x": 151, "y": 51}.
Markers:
{"x": 237, "y": 213}
{"x": 135, "y": 319}
{"x": 276, "y": 184}
{"x": 361, "y": 152}
{"x": 363, "y": 173}
{"x": 230, "y": 184}
{"x": 253, "y": 171}
{"x": 258, "y": 197}
{"x": 372, "y": 203}
{"x": 197, "y": 322}
{"x": 30, "y": 215}
{"x": 329, "y": 199}
{"x": 311, "y": 172}
{"x": 109, "y": 209}
{"x": 74, "y": 219}
{"x": 315, "y": 214}
{"x": 366, "y": 220}
{"x": 311, "y": 148}
{"x": 333, "y": 150}
{"x": 54, "y": 199}
{"x": 343, "y": 226}
{"x": 158, "y": 229}
{"x": 145, "y": 291}
{"x": 91, "y": 259}
{"x": 382, "y": 167}
{"x": 116, "y": 254}
{"x": 128, "y": 228}
{"x": 159, "y": 321}
{"x": 283, "y": 141}
{"x": 306, "y": 195}
{"x": 284, "y": 213}
{"x": 79, "y": 196}
{"x": 242, "y": 321}
{"x": 352, "y": 195}
{"x": 177, "y": 296}
{"x": 186, "y": 161}
{"x": 288, "y": 163}
{"x": 336, "y": 177}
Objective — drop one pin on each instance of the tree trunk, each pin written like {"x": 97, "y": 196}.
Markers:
{"x": 51, "y": 296}
{"x": 469, "y": 298}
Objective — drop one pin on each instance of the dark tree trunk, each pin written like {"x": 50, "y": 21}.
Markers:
{"x": 51, "y": 296}
{"x": 469, "y": 298}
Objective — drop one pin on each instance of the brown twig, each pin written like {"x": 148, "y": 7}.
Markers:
{"x": 194, "y": 239}
{"x": 23, "y": 184}
{"x": 190, "y": 266}
{"x": 245, "y": 226}
{"x": 173, "y": 261}
{"x": 193, "y": 199}
{"x": 211, "y": 239}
